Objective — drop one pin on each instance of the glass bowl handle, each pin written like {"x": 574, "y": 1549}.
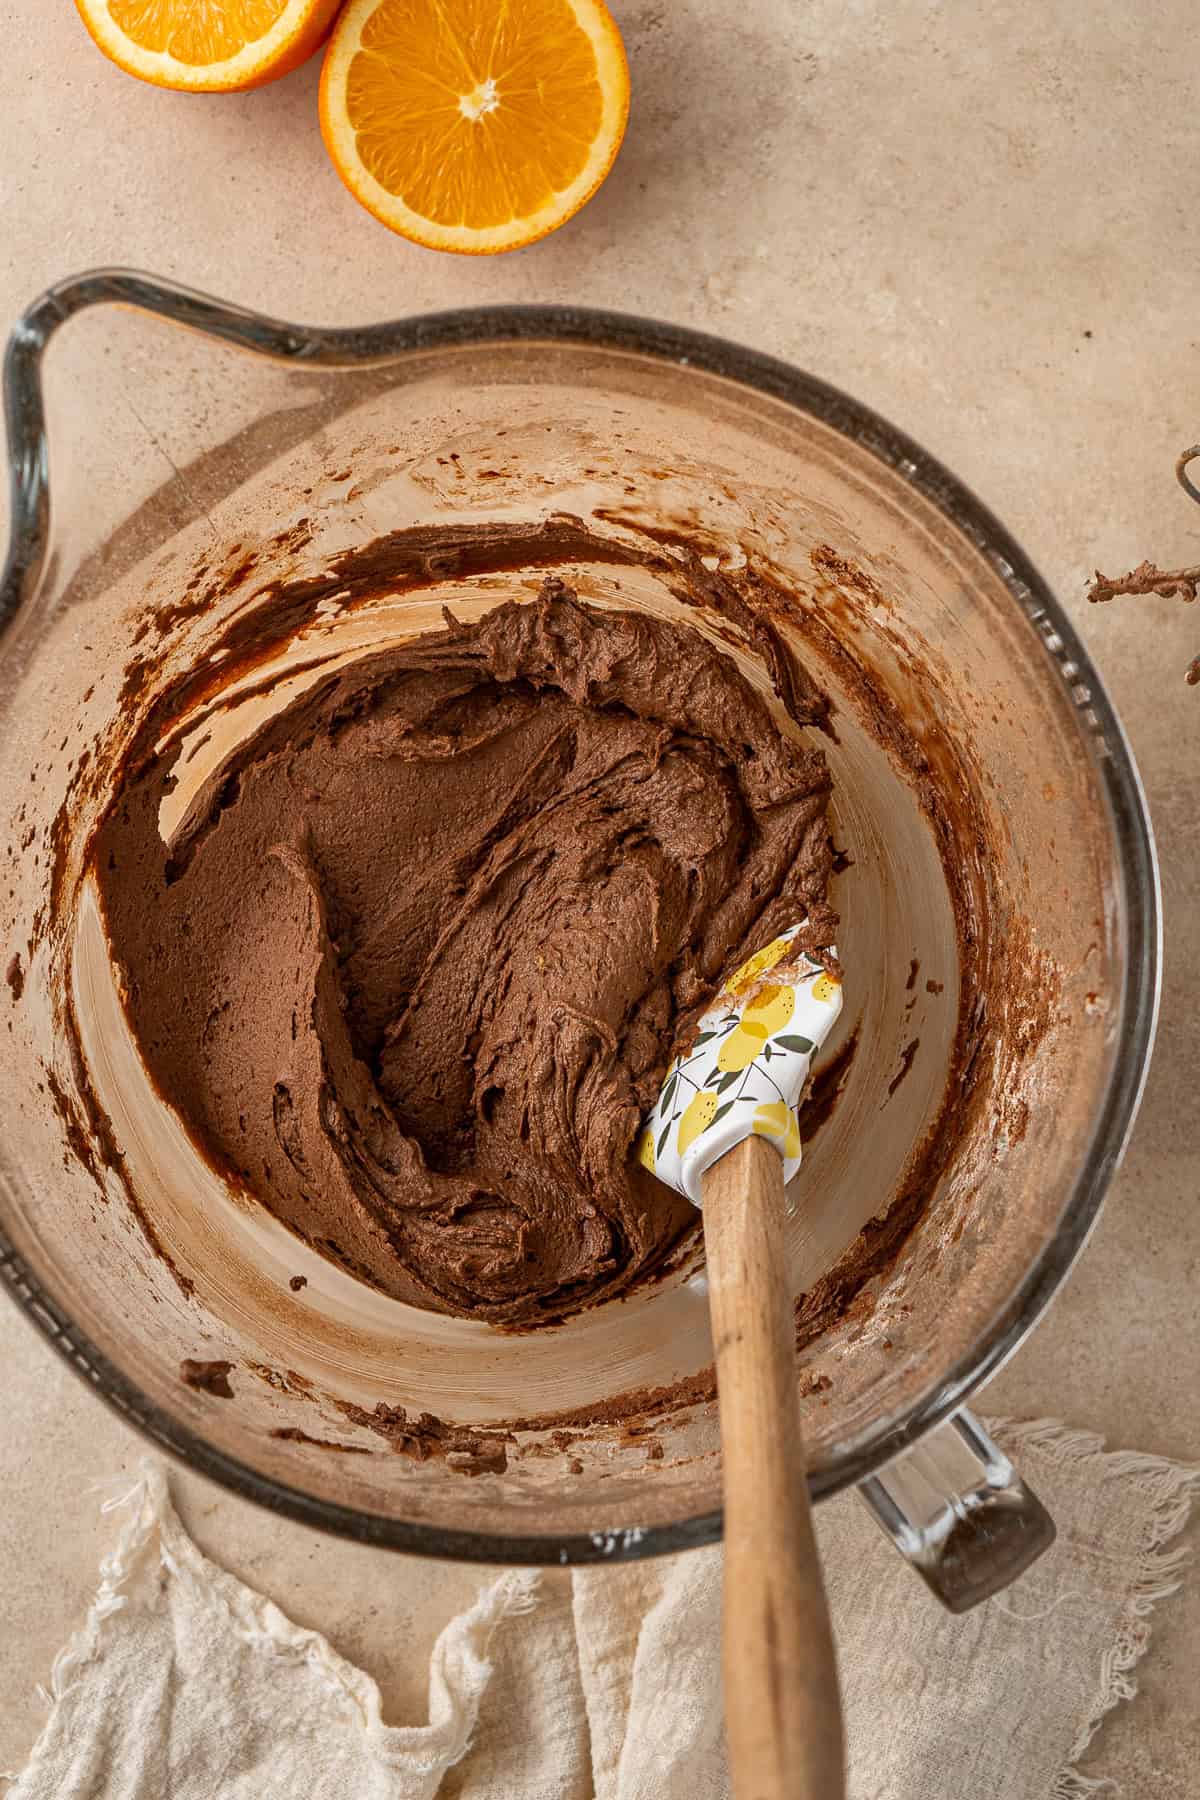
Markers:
{"x": 24, "y": 413}
{"x": 956, "y": 1509}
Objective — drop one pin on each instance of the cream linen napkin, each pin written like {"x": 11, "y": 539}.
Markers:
{"x": 604, "y": 1684}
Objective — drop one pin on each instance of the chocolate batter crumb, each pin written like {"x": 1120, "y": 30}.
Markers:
{"x": 934, "y": 987}
{"x": 297, "y": 1282}
{"x": 424, "y": 1437}
{"x": 207, "y": 1377}
{"x": 15, "y": 976}
{"x": 413, "y": 965}
{"x": 1148, "y": 578}
{"x": 914, "y": 969}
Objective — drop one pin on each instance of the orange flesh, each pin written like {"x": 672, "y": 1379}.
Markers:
{"x": 477, "y": 118}
{"x": 195, "y": 32}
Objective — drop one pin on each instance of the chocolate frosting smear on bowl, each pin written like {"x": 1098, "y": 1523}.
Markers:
{"x": 413, "y": 964}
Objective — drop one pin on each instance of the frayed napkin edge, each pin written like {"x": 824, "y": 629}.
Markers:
{"x": 1172, "y": 1488}
{"x": 464, "y": 1641}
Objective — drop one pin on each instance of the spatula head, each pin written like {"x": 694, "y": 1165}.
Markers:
{"x": 745, "y": 1067}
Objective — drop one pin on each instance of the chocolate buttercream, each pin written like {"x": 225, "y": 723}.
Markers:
{"x": 413, "y": 964}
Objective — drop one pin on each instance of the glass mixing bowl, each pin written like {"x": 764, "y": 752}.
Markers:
{"x": 1000, "y": 920}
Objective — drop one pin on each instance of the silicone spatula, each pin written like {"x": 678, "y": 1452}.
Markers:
{"x": 724, "y": 1132}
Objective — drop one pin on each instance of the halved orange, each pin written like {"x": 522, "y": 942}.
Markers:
{"x": 474, "y": 125}
{"x": 208, "y": 46}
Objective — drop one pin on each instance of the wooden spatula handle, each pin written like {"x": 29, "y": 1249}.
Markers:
{"x": 782, "y": 1709}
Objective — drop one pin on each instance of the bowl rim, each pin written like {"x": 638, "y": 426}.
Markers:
{"x": 1100, "y": 727}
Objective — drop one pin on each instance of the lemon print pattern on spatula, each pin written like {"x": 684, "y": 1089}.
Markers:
{"x": 745, "y": 1069}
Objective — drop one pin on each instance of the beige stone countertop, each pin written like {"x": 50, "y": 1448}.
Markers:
{"x": 980, "y": 220}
